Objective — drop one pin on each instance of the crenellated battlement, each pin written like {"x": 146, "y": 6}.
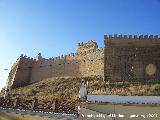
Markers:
{"x": 75, "y": 55}
{"x": 87, "y": 47}
{"x": 63, "y": 56}
{"x": 87, "y": 43}
{"x": 70, "y": 56}
{"x": 132, "y": 36}
{"x": 131, "y": 40}
{"x": 24, "y": 57}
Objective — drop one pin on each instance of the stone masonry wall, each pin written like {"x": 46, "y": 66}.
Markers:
{"x": 20, "y": 73}
{"x": 12, "y": 74}
{"x": 132, "y": 58}
{"x": 80, "y": 64}
{"x": 87, "y": 61}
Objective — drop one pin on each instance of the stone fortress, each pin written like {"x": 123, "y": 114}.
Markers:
{"x": 87, "y": 61}
{"x": 123, "y": 58}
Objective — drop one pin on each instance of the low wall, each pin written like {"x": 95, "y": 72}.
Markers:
{"x": 56, "y": 105}
{"x": 124, "y": 99}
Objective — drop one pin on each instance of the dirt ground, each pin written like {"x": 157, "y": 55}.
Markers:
{"x": 12, "y": 116}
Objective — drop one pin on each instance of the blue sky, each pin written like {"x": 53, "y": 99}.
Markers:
{"x": 54, "y": 27}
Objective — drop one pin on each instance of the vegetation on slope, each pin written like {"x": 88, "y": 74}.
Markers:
{"x": 68, "y": 88}
{"x": 126, "y": 88}
{"x": 49, "y": 89}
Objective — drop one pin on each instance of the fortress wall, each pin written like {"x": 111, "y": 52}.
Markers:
{"x": 12, "y": 74}
{"x": 87, "y": 61}
{"x": 128, "y": 62}
{"x": 91, "y": 59}
{"x": 87, "y": 47}
{"x": 73, "y": 65}
{"x": 124, "y": 58}
{"x": 23, "y": 72}
{"x": 141, "y": 41}
{"x": 94, "y": 62}
{"x": 56, "y": 67}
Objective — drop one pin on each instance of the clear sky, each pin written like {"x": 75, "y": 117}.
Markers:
{"x": 54, "y": 27}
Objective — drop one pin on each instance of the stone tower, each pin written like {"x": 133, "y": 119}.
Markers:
{"x": 87, "y": 47}
{"x": 132, "y": 58}
{"x": 20, "y": 72}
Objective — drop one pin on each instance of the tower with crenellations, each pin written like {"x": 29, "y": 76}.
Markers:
{"x": 20, "y": 72}
{"x": 132, "y": 58}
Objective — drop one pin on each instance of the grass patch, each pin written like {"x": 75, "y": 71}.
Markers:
{"x": 52, "y": 88}
{"x": 126, "y": 89}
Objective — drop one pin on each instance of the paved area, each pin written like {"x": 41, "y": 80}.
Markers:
{"x": 119, "y": 112}
{"x": 39, "y": 113}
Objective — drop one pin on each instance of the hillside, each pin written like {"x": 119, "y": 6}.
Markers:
{"x": 52, "y": 88}
{"x": 125, "y": 88}
{"x": 48, "y": 89}
{"x": 68, "y": 88}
